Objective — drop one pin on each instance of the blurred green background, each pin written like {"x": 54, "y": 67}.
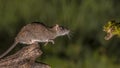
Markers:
{"x": 85, "y": 18}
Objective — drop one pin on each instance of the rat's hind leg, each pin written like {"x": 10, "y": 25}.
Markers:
{"x": 49, "y": 41}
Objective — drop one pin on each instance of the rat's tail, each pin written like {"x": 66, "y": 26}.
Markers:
{"x": 5, "y": 53}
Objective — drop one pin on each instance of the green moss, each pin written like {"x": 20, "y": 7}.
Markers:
{"x": 111, "y": 28}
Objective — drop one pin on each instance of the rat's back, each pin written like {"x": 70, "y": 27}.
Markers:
{"x": 32, "y": 31}
{"x": 34, "y": 26}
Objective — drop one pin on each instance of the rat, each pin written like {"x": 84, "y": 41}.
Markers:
{"x": 36, "y": 32}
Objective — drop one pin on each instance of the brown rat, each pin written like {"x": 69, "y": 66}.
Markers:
{"x": 37, "y": 32}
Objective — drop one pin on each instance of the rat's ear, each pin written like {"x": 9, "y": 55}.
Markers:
{"x": 56, "y": 26}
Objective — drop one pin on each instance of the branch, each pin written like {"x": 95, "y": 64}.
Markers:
{"x": 25, "y": 58}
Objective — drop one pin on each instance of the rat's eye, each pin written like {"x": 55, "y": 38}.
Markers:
{"x": 61, "y": 28}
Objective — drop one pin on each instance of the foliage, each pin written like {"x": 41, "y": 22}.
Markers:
{"x": 112, "y": 28}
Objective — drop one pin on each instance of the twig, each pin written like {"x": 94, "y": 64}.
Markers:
{"x": 25, "y": 58}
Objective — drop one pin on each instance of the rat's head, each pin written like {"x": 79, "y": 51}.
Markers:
{"x": 111, "y": 28}
{"x": 60, "y": 30}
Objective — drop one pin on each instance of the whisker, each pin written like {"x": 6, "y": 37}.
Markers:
{"x": 70, "y": 34}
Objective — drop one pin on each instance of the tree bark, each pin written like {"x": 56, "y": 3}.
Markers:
{"x": 25, "y": 58}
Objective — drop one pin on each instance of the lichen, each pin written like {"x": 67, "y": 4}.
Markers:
{"x": 112, "y": 28}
